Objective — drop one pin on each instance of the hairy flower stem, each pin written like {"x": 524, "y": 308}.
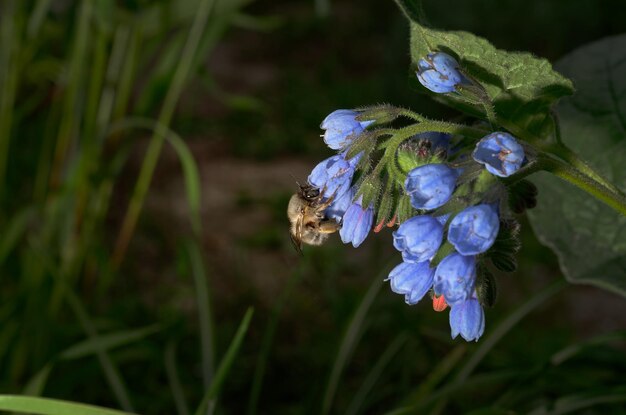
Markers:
{"x": 565, "y": 153}
{"x": 548, "y": 162}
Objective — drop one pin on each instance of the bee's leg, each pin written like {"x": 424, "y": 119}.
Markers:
{"x": 329, "y": 226}
{"x": 328, "y": 202}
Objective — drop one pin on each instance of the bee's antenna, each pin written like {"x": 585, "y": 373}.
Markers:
{"x": 296, "y": 180}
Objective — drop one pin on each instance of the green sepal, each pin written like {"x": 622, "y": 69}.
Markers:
{"x": 388, "y": 200}
{"x": 486, "y": 287}
{"x": 380, "y": 114}
{"x": 507, "y": 244}
{"x": 364, "y": 142}
{"x": 504, "y": 262}
{"x": 369, "y": 189}
{"x": 408, "y": 160}
{"x": 522, "y": 196}
{"x": 444, "y": 250}
{"x": 404, "y": 210}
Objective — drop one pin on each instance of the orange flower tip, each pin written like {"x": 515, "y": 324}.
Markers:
{"x": 379, "y": 226}
{"x": 391, "y": 222}
{"x": 439, "y": 303}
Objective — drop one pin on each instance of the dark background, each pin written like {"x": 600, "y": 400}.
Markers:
{"x": 250, "y": 114}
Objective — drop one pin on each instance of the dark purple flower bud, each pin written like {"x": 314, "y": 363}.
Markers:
{"x": 430, "y": 186}
{"x": 356, "y": 225}
{"x": 439, "y": 72}
{"x": 438, "y": 141}
{"x": 467, "y": 319}
{"x": 474, "y": 230}
{"x": 341, "y": 128}
{"x": 454, "y": 277}
{"x": 418, "y": 238}
{"x": 501, "y": 154}
{"x": 413, "y": 280}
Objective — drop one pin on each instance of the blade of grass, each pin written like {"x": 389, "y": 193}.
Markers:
{"x": 46, "y": 406}
{"x": 172, "y": 376}
{"x": 477, "y": 382}
{"x": 572, "y": 350}
{"x": 14, "y": 230}
{"x": 70, "y": 120}
{"x": 190, "y": 167}
{"x": 9, "y": 76}
{"x": 350, "y": 339}
{"x": 441, "y": 370}
{"x": 192, "y": 180}
{"x": 498, "y": 333}
{"x": 36, "y": 17}
{"x": 203, "y": 301}
{"x": 212, "y": 393}
{"x": 268, "y": 338}
{"x": 107, "y": 342}
{"x": 373, "y": 376}
{"x": 37, "y": 383}
{"x": 505, "y": 326}
{"x": 110, "y": 370}
{"x": 568, "y": 404}
{"x": 156, "y": 142}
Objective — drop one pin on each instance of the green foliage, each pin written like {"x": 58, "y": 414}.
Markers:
{"x": 588, "y": 236}
{"x": 521, "y": 87}
{"x": 43, "y": 406}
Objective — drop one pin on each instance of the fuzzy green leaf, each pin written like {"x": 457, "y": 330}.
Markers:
{"x": 521, "y": 86}
{"x": 588, "y": 236}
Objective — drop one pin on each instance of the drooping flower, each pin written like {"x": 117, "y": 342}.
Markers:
{"x": 474, "y": 230}
{"x": 418, "y": 238}
{"x": 341, "y": 128}
{"x": 413, "y": 280}
{"x": 356, "y": 224}
{"x": 500, "y": 152}
{"x": 333, "y": 175}
{"x": 430, "y": 186}
{"x": 467, "y": 318}
{"x": 340, "y": 205}
{"x": 454, "y": 277}
{"x": 439, "y": 72}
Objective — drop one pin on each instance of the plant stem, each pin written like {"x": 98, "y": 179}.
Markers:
{"x": 156, "y": 143}
{"x": 559, "y": 168}
{"x": 565, "y": 153}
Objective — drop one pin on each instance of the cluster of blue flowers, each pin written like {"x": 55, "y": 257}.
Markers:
{"x": 442, "y": 244}
{"x": 334, "y": 175}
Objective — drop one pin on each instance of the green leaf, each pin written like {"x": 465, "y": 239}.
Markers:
{"x": 589, "y": 237}
{"x": 208, "y": 401}
{"x": 45, "y": 406}
{"x": 521, "y": 86}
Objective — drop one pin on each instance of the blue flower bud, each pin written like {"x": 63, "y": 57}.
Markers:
{"x": 501, "y": 154}
{"x": 474, "y": 230}
{"x": 430, "y": 186}
{"x": 341, "y": 128}
{"x": 418, "y": 238}
{"x": 356, "y": 224}
{"x": 413, "y": 280}
{"x": 439, "y": 72}
{"x": 333, "y": 175}
{"x": 468, "y": 320}
{"x": 454, "y": 277}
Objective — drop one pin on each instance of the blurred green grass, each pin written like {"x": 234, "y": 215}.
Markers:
{"x": 87, "y": 87}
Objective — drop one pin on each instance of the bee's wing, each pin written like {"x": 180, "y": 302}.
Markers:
{"x": 296, "y": 238}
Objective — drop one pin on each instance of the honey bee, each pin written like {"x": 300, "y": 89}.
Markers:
{"x": 309, "y": 223}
